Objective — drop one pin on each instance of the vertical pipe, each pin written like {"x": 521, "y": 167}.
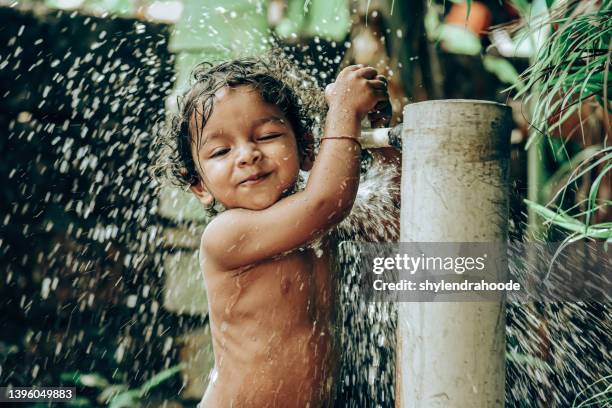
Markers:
{"x": 454, "y": 189}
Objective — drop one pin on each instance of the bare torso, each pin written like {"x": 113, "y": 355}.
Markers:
{"x": 272, "y": 334}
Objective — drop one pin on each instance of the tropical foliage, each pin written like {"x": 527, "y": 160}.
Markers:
{"x": 570, "y": 71}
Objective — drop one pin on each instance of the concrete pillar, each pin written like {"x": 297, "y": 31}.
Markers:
{"x": 454, "y": 189}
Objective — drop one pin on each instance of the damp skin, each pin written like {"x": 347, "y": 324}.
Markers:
{"x": 270, "y": 292}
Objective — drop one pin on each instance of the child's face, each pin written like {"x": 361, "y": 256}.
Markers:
{"x": 246, "y": 155}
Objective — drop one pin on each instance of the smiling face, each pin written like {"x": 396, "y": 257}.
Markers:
{"x": 246, "y": 155}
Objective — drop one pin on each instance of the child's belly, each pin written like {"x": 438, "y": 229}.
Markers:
{"x": 299, "y": 374}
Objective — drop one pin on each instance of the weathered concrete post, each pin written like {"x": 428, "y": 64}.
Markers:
{"x": 454, "y": 189}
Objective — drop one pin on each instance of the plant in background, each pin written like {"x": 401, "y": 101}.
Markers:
{"x": 591, "y": 398}
{"x": 568, "y": 86}
{"x": 117, "y": 395}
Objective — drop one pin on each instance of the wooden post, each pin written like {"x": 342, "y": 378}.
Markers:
{"x": 454, "y": 189}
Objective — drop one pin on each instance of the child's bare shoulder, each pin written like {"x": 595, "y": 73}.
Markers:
{"x": 218, "y": 237}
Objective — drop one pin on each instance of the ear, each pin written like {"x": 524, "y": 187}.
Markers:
{"x": 307, "y": 153}
{"x": 202, "y": 194}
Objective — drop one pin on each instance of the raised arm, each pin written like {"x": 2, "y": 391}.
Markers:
{"x": 241, "y": 237}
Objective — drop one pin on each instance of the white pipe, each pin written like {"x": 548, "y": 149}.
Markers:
{"x": 454, "y": 189}
{"x": 381, "y": 137}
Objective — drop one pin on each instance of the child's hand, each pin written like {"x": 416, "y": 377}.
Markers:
{"x": 357, "y": 89}
{"x": 380, "y": 116}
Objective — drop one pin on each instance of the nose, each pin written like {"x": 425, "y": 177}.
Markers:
{"x": 248, "y": 154}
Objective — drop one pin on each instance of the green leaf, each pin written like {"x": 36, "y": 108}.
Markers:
{"x": 111, "y": 392}
{"x": 606, "y": 158}
{"x": 594, "y": 191}
{"x": 129, "y": 399}
{"x": 78, "y": 402}
{"x": 159, "y": 378}
{"x": 602, "y": 398}
{"x": 525, "y": 359}
{"x": 503, "y": 69}
{"x": 93, "y": 380}
{"x": 70, "y": 377}
{"x": 459, "y": 40}
{"x": 565, "y": 170}
{"x": 579, "y": 230}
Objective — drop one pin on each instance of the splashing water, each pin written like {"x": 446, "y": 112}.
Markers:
{"x": 367, "y": 376}
{"x": 81, "y": 279}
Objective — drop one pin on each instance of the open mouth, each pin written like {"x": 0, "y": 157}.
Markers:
{"x": 254, "y": 179}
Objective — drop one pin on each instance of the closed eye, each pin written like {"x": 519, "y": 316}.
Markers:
{"x": 219, "y": 152}
{"x": 270, "y": 136}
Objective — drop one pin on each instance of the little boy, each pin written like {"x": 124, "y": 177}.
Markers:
{"x": 271, "y": 292}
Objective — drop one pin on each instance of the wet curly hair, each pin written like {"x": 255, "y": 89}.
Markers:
{"x": 277, "y": 80}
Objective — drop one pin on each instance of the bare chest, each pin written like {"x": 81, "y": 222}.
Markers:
{"x": 295, "y": 288}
